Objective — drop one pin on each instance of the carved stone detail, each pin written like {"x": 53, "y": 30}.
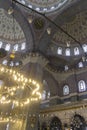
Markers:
{"x": 10, "y": 30}
{"x": 76, "y": 27}
{"x": 34, "y": 58}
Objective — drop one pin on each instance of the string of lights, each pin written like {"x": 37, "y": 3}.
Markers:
{"x": 10, "y": 92}
{"x": 9, "y": 98}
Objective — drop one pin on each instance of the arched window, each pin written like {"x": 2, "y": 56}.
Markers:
{"x": 4, "y": 62}
{"x": 17, "y": 63}
{"x": 7, "y": 47}
{"x": 59, "y": 51}
{"x": 66, "y": 67}
{"x": 67, "y": 52}
{"x": 23, "y": 45}
{"x": 11, "y": 63}
{"x": 48, "y": 95}
{"x": 55, "y": 124}
{"x": 80, "y": 65}
{"x": 76, "y": 51}
{"x": 46, "y": 91}
{"x": 44, "y": 95}
{"x": 85, "y": 47}
{"x": 16, "y": 47}
{"x": 1, "y": 44}
{"x": 66, "y": 90}
{"x": 78, "y": 122}
{"x": 82, "y": 86}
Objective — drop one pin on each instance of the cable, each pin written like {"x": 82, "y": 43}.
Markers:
{"x": 13, "y": 21}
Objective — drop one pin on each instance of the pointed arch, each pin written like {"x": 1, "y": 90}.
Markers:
{"x": 55, "y": 124}
{"x": 78, "y": 122}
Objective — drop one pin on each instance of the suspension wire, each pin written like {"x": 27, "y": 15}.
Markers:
{"x": 13, "y": 20}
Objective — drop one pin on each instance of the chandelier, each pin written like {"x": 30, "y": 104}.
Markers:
{"x": 20, "y": 95}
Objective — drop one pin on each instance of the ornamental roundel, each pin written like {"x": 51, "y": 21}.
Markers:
{"x": 39, "y": 23}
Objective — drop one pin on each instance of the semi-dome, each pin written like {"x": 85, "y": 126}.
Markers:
{"x": 10, "y": 29}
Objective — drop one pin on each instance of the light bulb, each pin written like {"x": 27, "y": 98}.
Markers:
{"x": 68, "y": 44}
{"x": 10, "y": 10}
{"x": 30, "y": 19}
{"x": 49, "y": 30}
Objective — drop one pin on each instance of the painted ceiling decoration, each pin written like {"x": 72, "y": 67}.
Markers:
{"x": 76, "y": 26}
{"x": 44, "y": 5}
{"x": 10, "y": 31}
{"x": 39, "y": 23}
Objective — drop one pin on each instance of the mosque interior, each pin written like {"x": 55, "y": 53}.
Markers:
{"x": 43, "y": 64}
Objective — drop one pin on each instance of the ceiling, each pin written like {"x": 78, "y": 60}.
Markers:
{"x": 40, "y": 60}
{"x": 72, "y": 19}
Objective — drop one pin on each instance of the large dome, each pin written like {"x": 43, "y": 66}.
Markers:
{"x": 44, "y": 5}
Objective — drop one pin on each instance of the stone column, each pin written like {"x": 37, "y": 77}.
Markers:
{"x": 35, "y": 72}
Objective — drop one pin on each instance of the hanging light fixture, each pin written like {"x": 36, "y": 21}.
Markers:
{"x": 68, "y": 44}
{"x": 12, "y": 55}
{"x": 30, "y": 19}
{"x": 49, "y": 30}
{"x": 10, "y": 10}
